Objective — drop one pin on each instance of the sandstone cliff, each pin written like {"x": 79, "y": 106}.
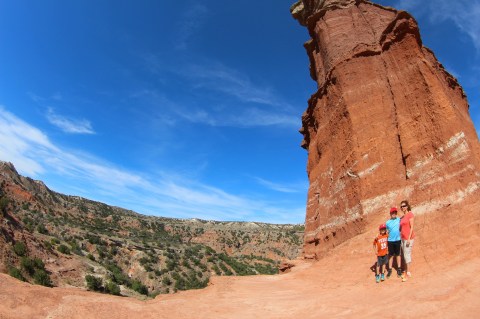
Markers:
{"x": 387, "y": 122}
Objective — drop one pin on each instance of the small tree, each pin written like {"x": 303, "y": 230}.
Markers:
{"x": 15, "y": 273}
{"x": 139, "y": 287}
{"x": 64, "y": 249}
{"x": 27, "y": 265}
{"x": 20, "y": 249}
{"x": 41, "y": 229}
{"x": 94, "y": 283}
{"x": 112, "y": 288}
{"x": 41, "y": 277}
{"x": 3, "y": 205}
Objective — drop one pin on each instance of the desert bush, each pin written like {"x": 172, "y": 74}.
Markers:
{"x": 41, "y": 277}
{"x": 47, "y": 245}
{"x": 166, "y": 281}
{"x": 20, "y": 249}
{"x": 64, "y": 249}
{"x": 117, "y": 275}
{"x": 112, "y": 288}
{"x": 41, "y": 229}
{"x": 27, "y": 265}
{"x": 3, "y": 205}
{"x": 94, "y": 283}
{"x": 139, "y": 287}
{"x": 15, "y": 273}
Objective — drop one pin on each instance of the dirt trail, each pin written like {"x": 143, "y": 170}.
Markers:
{"x": 445, "y": 284}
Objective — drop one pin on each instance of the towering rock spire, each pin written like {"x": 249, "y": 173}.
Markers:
{"x": 387, "y": 122}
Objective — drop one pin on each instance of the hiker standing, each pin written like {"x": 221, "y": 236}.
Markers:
{"x": 380, "y": 248}
{"x": 407, "y": 235}
{"x": 394, "y": 243}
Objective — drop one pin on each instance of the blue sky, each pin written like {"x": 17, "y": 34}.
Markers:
{"x": 179, "y": 108}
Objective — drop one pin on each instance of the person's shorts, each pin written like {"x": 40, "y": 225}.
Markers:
{"x": 407, "y": 251}
{"x": 382, "y": 260}
{"x": 394, "y": 248}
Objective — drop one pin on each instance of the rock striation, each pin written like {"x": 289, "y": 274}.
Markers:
{"x": 386, "y": 123}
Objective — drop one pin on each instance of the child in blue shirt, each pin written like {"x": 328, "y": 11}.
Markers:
{"x": 394, "y": 241}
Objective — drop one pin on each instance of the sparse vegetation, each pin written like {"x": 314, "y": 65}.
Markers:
{"x": 167, "y": 254}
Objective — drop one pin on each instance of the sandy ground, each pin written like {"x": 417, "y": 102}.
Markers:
{"x": 444, "y": 284}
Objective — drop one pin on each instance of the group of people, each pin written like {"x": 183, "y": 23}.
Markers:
{"x": 395, "y": 243}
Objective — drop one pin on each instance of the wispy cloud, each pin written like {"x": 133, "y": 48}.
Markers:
{"x": 463, "y": 13}
{"x": 162, "y": 193}
{"x": 289, "y": 188}
{"x": 223, "y": 97}
{"x": 69, "y": 125}
{"x": 220, "y": 78}
{"x": 243, "y": 118}
{"x": 189, "y": 23}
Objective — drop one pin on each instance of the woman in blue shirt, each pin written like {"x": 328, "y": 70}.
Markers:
{"x": 394, "y": 241}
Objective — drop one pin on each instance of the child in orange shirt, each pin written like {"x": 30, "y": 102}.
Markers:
{"x": 380, "y": 246}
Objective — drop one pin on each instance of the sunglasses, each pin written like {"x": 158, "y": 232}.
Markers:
{"x": 403, "y": 206}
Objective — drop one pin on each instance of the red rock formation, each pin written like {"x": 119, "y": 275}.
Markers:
{"x": 387, "y": 122}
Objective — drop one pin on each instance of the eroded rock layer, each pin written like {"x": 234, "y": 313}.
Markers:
{"x": 387, "y": 122}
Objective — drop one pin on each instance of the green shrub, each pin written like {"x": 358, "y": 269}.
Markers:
{"x": 38, "y": 263}
{"x": 112, "y": 288}
{"x": 91, "y": 257}
{"x": 94, "y": 283}
{"x": 64, "y": 249}
{"x": 27, "y": 265}
{"x": 41, "y": 229}
{"x": 3, "y": 205}
{"x": 139, "y": 287}
{"x": 20, "y": 249}
{"x": 15, "y": 273}
{"x": 166, "y": 281}
{"x": 41, "y": 277}
{"x": 47, "y": 245}
{"x": 31, "y": 265}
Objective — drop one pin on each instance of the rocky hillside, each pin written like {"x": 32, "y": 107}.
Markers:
{"x": 58, "y": 240}
{"x": 386, "y": 123}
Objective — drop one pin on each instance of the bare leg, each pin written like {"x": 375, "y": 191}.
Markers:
{"x": 399, "y": 269}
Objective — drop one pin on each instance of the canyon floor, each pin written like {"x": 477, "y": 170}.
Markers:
{"x": 445, "y": 284}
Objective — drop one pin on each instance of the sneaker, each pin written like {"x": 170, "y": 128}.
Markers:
{"x": 404, "y": 277}
{"x": 382, "y": 277}
{"x": 377, "y": 278}
{"x": 409, "y": 274}
{"x": 389, "y": 273}
{"x": 399, "y": 273}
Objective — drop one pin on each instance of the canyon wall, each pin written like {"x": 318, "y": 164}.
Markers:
{"x": 387, "y": 122}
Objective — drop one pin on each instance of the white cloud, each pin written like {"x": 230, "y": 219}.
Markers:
{"x": 217, "y": 77}
{"x": 463, "y": 13}
{"x": 290, "y": 188}
{"x": 191, "y": 20}
{"x": 69, "y": 125}
{"x": 250, "y": 117}
{"x": 170, "y": 195}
